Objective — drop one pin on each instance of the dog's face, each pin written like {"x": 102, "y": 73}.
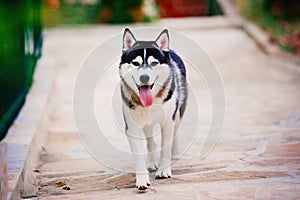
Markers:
{"x": 144, "y": 65}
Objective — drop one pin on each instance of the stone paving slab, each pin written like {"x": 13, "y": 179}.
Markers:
{"x": 22, "y": 141}
{"x": 257, "y": 156}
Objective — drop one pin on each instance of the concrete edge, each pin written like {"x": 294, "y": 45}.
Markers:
{"x": 213, "y": 22}
{"x": 260, "y": 37}
{"x": 3, "y": 171}
{"x": 23, "y": 141}
{"x": 262, "y": 40}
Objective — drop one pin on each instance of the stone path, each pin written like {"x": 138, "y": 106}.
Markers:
{"x": 257, "y": 156}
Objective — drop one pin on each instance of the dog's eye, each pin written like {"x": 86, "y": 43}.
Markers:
{"x": 135, "y": 63}
{"x": 154, "y": 63}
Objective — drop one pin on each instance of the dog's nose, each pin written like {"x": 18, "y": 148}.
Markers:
{"x": 144, "y": 78}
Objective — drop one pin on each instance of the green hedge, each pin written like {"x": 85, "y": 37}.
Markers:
{"x": 280, "y": 18}
{"x": 20, "y": 44}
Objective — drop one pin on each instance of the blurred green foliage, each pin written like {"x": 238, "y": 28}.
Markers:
{"x": 278, "y": 17}
{"x": 117, "y": 11}
{"x": 69, "y": 14}
{"x": 107, "y": 11}
{"x": 213, "y": 8}
{"x": 20, "y": 47}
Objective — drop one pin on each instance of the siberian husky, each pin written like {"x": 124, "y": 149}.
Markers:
{"x": 154, "y": 91}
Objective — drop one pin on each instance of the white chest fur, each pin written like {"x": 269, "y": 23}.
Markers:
{"x": 154, "y": 114}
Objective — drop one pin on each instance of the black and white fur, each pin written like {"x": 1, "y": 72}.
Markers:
{"x": 152, "y": 64}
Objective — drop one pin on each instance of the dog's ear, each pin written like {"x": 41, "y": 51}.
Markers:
{"x": 163, "y": 40}
{"x": 128, "y": 39}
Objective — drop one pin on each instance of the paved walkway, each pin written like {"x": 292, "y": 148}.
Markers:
{"x": 257, "y": 156}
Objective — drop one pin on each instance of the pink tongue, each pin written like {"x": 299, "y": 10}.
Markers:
{"x": 146, "y": 95}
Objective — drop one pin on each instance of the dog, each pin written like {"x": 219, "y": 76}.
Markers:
{"x": 154, "y": 91}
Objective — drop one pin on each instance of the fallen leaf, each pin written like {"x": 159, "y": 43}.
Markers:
{"x": 60, "y": 184}
{"x": 43, "y": 148}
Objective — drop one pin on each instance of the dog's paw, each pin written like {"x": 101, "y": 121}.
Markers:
{"x": 142, "y": 181}
{"x": 163, "y": 173}
{"x": 152, "y": 168}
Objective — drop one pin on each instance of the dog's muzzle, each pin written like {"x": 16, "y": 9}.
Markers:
{"x": 144, "y": 78}
{"x": 146, "y": 97}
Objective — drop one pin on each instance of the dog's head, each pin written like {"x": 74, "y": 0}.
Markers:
{"x": 144, "y": 65}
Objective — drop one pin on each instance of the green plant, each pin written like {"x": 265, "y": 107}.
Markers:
{"x": 107, "y": 11}
{"x": 115, "y": 11}
{"x": 278, "y": 17}
{"x": 69, "y": 14}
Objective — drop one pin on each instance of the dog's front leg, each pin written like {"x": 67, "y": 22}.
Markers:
{"x": 164, "y": 170}
{"x": 135, "y": 139}
{"x": 152, "y": 149}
